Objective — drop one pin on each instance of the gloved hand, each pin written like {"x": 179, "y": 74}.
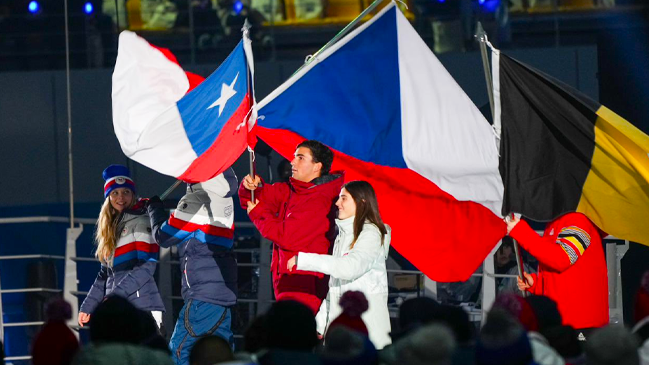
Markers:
{"x": 153, "y": 202}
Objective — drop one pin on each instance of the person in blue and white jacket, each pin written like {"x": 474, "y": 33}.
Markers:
{"x": 357, "y": 263}
{"x": 127, "y": 251}
{"x": 202, "y": 227}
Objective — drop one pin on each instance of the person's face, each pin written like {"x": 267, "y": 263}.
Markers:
{"x": 503, "y": 255}
{"x": 346, "y": 205}
{"x": 121, "y": 198}
{"x": 303, "y": 167}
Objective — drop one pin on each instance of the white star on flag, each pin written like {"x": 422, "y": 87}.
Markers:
{"x": 227, "y": 91}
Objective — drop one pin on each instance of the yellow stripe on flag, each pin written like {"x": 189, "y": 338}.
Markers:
{"x": 616, "y": 192}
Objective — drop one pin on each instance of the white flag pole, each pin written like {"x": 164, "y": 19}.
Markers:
{"x": 481, "y": 36}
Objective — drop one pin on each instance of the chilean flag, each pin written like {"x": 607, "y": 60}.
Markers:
{"x": 191, "y": 135}
{"x": 395, "y": 117}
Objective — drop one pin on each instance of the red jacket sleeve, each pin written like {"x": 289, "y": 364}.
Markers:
{"x": 272, "y": 195}
{"x": 298, "y": 229}
{"x": 244, "y": 194}
{"x": 547, "y": 251}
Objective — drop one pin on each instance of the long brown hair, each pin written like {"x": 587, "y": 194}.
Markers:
{"x": 106, "y": 232}
{"x": 367, "y": 208}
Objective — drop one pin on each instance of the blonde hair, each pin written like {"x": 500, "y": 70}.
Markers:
{"x": 106, "y": 232}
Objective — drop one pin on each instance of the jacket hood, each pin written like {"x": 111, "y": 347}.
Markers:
{"x": 222, "y": 186}
{"x": 329, "y": 184}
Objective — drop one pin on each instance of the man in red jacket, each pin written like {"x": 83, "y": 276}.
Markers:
{"x": 297, "y": 216}
{"x": 572, "y": 268}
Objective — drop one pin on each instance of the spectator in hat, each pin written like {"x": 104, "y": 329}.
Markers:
{"x": 503, "y": 341}
{"x": 55, "y": 344}
{"x": 521, "y": 309}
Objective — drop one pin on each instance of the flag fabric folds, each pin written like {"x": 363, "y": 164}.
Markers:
{"x": 563, "y": 152}
{"x": 396, "y": 118}
{"x": 193, "y": 135}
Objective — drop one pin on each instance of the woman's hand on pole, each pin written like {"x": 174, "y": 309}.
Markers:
{"x": 292, "y": 262}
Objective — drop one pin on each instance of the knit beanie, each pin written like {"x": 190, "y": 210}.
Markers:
{"x": 58, "y": 310}
{"x": 641, "y": 306}
{"x": 117, "y": 176}
{"x": 518, "y": 307}
{"x": 517, "y": 352}
{"x": 353, "y": 304}
{"x": 502, "y": 341}
{"x": 345, "y": 346}
{"x": 55, "y": 343}
{"x": 546, "y": 311}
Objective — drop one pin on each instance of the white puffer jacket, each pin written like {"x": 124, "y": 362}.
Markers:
{"x": 362, "y": 269}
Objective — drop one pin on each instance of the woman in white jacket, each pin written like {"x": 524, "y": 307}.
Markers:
{"x": 357, "y": 262}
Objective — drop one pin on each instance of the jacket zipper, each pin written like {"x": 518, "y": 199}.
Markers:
{"x": 186, "y": 277}
{"x": 112, "y": 273}
{"x": 186, "y": 263}
{"x": 137, "y": 292}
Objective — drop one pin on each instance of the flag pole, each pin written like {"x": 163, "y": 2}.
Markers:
{"x": 251, "y": 158}
{"x": 164, "y": 195}
{"x": 481, "y": 36}
{"x": 341, "y": 34}
{"x": 69, "y": 112}
{"x": 251, "y": 152}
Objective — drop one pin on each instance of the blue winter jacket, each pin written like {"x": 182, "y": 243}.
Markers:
{"x": 202, "y": 226}
{"x": 133, "y": 265}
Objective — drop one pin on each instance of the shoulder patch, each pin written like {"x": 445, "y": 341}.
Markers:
{"x": 574, "y": 241}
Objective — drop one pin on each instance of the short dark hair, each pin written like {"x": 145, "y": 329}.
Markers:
{"x": 320, "y": 153}
{"x": 291, "y": 326}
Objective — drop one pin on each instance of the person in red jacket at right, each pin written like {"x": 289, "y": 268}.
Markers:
{"x": 572, "y": 268}
{"x": 298, "y": 216}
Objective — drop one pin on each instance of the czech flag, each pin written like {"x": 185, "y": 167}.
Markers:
{"x": 191, "y": 135}
{"x": 396, "y": 118}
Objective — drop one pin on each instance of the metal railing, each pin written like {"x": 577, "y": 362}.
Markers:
{"x": 25, "y": 220}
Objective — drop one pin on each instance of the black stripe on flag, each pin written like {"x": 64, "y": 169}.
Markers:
{"x": 543, "y": 169}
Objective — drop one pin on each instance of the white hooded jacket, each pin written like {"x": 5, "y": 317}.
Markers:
{"x": 362, "y": 269}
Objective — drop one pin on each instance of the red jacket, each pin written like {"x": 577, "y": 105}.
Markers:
{"x": 296, "y": 216}
{"x": 572, "y": 268}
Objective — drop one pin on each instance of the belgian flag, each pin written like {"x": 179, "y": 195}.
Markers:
{"x": 561, "y": 151}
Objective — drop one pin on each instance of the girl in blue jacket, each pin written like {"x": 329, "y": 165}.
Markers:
{"x": 125, "y": 248}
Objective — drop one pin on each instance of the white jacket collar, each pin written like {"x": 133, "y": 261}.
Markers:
{"x": 346, "y": 225}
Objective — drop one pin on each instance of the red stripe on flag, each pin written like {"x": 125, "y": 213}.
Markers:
{"x": 209, "y": 229}
{"x": 445, "y": 238}
{"x": 137, "y": 246}
{"x": 225, "y": 150}
{"x": 194, "y": 80}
